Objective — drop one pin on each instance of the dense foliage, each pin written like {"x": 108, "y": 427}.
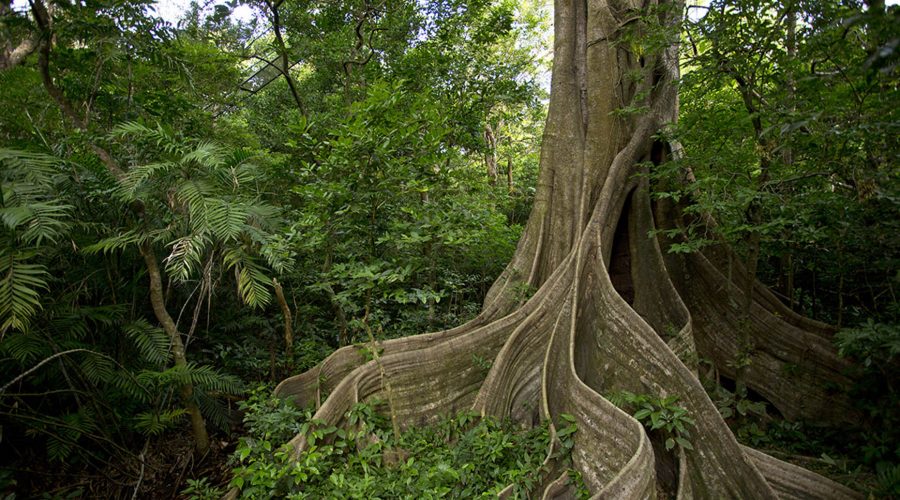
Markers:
{"x": 188, "y": 210}
{"x": 459, "y": 457}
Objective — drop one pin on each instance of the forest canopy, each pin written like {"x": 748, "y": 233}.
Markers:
{"x": 195, "y": 211}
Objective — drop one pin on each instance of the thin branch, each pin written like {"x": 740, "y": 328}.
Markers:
{"x": 41, "y": 16}
{"x": 282, "y": 51}
{"x": 778, "y": 182}
{"x": 39, "y": 365}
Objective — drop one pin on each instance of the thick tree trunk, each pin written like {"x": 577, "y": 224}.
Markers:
{"x": 612, "y": 311}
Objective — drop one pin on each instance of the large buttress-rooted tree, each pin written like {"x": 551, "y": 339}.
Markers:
{"x": 611, "y": 310}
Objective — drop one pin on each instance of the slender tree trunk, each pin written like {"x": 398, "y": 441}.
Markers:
{"x": 787, "y": 155}
{"x": 44, "y": 22}
{"x": 201, "y": 438}
{"x": 281, "y": 48}
{"x": 288, "y": 324}
{"x": 490, "y": 155}
{"x": 344, "y": 327}
{"x": 428, "y": 254}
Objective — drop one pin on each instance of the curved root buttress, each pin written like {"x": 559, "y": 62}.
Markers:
{"x": 612, "y": 311}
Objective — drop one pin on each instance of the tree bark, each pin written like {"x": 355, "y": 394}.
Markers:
{"x": 577, "y": 340}
{"x": 13, "y": 53}
{"x": 509, "y": 175}
{"x": 288, "y": 323}
{"x": 198, "y": 425}
{"x": 490, "y": 154}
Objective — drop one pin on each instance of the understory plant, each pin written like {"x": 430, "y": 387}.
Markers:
{"x": 463, "y": 456}
{"x": 662, "y": 414}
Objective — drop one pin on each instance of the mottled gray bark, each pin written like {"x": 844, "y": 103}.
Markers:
{"x": 577, "y": 338}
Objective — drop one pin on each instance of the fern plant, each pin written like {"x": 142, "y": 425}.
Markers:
{"x": 205, "y": 204}
{"x": 32, "y": 217}
{"x": 109, "y": 372}
{"x": 202, "y": 203}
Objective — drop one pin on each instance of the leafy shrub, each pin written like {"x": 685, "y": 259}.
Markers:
{"x": 200, "y": 489}
{"x": 659, "y": 414}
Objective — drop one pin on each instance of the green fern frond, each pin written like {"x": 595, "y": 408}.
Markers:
{"x": 25, "y": 348}
{"x": 65, "y": 434}
{"x": 20, "y": 290}
{"x": 59, "y": 448}
{"x": 239, "y": 171}
{"x": 205, "y": 154}
{"x": 105, "y": 315}
{"x": 253, "y": 285}
{"x": 97, "y": 368}
{"x": 152, "y": 342}
{"x": 195, "y": 193}
{"x": 163, "y": 138}
{"x": 129, "y": 238}
{"x": 209, "y": 379}
{"x": 155, "y": 380}
{"x": 37, "y": 221}
{"x": 30, "y": 207}
{"x": 213, "y": 409}
{"x": 45, "y": 221}
{"x": 226, "y": 220}
{"x": 134, "y": 386}
{"x": 252, "y": 281}
{"x": 131, "y": 129}
{"x": 137, "y": 176}
{"x": 27, "y": 166}
{"x": 240, "y": 157}
{"x": 14, "y": 216}
{"x": 278, "y": 253}
{"x": 203, "y": 377}
{"x": 186, "y": 256}
{"x": 150, "y": 423}
{"x": 262, "y": 215}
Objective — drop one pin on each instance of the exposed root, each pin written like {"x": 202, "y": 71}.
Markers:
{"x": 576, "y": 339}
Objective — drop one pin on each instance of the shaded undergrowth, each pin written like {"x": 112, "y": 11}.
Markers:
{"x": 463, "y": 456}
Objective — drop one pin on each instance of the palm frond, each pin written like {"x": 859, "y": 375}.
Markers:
{"x": 213, "y": 409}
{"x": 45, "y": 221}
{"x": 28, "y": 166}
{"x": 97, "y": 368}
{"x": 136, "y": 177}
{"x": 25, "y": 348}
{"x": 239, "y": 170}
{"x": 134, "y": 386}
{"x": 194, "y": 193}
{"x": 211, "y": 380}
